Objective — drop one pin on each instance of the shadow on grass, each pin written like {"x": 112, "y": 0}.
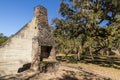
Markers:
{"x": 101, "y": 61}
{"x": 67, "y": 77}
{"x": 71, "y": 75}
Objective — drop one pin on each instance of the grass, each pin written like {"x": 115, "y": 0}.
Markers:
{"x": 105, "y": 61}
{"x": 103, "y": 65}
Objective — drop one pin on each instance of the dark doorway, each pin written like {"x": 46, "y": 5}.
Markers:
{"x": 45, "y": 51}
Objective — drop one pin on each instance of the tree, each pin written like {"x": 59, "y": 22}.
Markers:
{"x": 2, "y": 38}
{"x": 80, "y": 22}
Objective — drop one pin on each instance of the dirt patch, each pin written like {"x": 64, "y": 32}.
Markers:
{"x": 113, "y": 73}
{"x": 65, "y": 72}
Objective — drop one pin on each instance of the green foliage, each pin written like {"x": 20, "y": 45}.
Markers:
{"x": 2, "y": 38}
{"x": 78, "y": 31}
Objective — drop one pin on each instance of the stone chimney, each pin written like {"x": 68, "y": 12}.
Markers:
{"x": 35, "y": 43}
{"x": 40, "y": 13}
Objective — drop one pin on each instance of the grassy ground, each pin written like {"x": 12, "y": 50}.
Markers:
{"x": 103, "y": 65}
{"x": 105, "y": 71}
{"x": 105, "y": 61}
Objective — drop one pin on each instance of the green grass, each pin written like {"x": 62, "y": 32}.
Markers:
{"x": 104, "y": 61}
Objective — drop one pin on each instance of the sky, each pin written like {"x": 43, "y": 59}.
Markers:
{"x": 14, "y": 14}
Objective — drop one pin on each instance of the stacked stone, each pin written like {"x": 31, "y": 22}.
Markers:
{"x": 16, "y": 53}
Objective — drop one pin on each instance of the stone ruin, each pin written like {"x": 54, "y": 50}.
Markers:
{"x": 29, "y": 46}
{"x": 31, "y": 51}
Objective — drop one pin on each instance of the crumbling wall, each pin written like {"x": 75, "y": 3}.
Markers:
{"x": 20, "y": 50}
{"x": 17, "y": 50}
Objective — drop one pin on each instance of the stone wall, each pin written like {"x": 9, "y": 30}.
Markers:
{"x": 17, "y": 51}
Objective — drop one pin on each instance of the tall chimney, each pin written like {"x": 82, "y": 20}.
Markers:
{"x": 40, "y": 13}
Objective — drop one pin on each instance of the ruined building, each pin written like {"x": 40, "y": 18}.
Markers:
{"x": 28, "y": 46}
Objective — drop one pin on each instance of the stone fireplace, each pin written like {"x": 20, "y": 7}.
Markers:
{"x": 28, "y": 48}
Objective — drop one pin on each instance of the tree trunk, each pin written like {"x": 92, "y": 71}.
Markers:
{"x": 91, "y": 54}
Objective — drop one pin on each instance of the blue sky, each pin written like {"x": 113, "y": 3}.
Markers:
{"x": 14, "y": 14}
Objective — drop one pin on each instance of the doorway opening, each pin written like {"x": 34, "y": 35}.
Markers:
{"x": 45, "y": 51}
